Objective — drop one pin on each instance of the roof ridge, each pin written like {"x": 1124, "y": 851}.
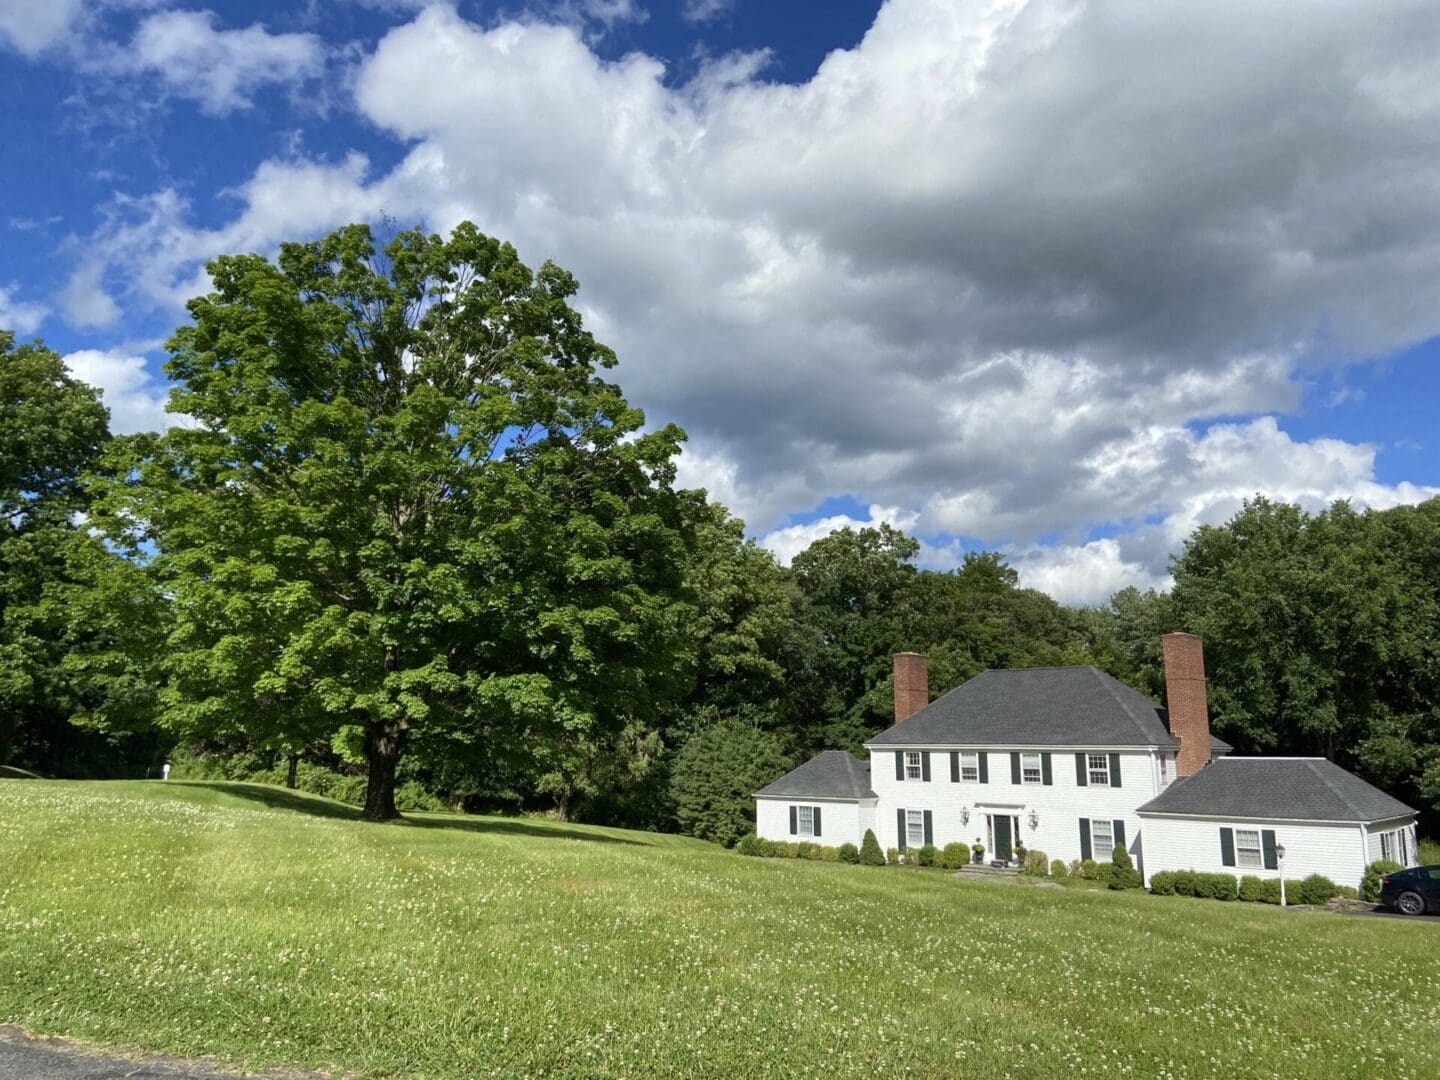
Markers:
{"x": 1320, "y": 775}
{"x": 1105, "y": 681}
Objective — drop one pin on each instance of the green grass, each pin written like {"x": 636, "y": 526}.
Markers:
{"x": 271, "y": 929}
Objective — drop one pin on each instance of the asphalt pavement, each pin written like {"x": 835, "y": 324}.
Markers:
{"x": 26, "y": 1058}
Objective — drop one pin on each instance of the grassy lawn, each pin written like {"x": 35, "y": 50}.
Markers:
{"x": 271, "y": 929}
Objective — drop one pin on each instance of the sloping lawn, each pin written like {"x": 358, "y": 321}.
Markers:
{"x": 271, "y": 929}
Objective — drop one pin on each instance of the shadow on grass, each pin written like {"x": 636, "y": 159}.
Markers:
{"x": 279, "y": 798}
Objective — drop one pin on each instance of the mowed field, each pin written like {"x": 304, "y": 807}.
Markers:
{"x": 270, "y": 929}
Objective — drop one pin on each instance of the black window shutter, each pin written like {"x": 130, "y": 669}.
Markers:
{"x": 900, "y": 765}
{"x": 954, "y": 766}
{"x": 900, "y": 824}
{"x": 1114, "y": 770}
{"x": 794, "y": 828}
{"x": 1014, "y": 767}
{"x": 1045, "y": 774}
{"x": 984, "y": 768}
{"x": 925, "y": 765}
{"x": 1267, "y": 840}
{"x": 929, "y": 831}
{"x": 1085, "y": 838}
{"x": 1081, "y": 776}
{"x": 1119, "y": 826}
{"x": 816, "y": 811}
{"x": 1227, "y": 846}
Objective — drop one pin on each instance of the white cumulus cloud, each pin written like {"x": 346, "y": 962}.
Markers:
{"x": 136, "y": 399}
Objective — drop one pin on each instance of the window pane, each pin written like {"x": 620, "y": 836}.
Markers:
{"x": 915, "y": 828}
{"x": 1030, "y": 768}
{"x": 806, "y": 820}
{"x": 912, "y": 765}
{"x": 969, "y": 766}
{"x": 1247, "y": 848}
{"x": 1099, "y": 769}
{"x": 1102, "y": 840}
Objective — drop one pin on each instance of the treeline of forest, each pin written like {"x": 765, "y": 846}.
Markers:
{"x": 412, "y": 548}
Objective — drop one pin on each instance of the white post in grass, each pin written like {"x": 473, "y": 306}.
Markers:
{"x": 1280, "y": 863}
{"x": 165, "y": 771}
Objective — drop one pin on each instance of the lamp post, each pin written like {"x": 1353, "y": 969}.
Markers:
{"x": 1280, "y": 864}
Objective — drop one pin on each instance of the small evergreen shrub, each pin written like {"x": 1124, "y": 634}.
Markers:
{"x": 892, "y": 856}
{"x": 1184, "y": 882}
{"x": 1252, "y": 889}
{"x": 1090, "y": 870}
{"x": 848, "y": 853}
{"x": 870, "y": 854}
{"x": 927, "y": 854}
{"x": 1346, "y": 892}
{"x": 765, "y": 848}
{"x": 1105, "y": 874}
{"x": 784, "y": 849}
{"x": 954, "y": 855}
{"x": 1077, "y": 868}
{"x": 1058, "y": 870}
{"x": 1317, "y": 889}
{"x": 1163, "y": 883}
{"x": 749, "y": 844}
{"x": 1037, "y": 864}
{"x": 1123, "y": 874}
{"x": 1370, "y": 883}
{"x": 1270, "y": 891}
{"x": 805, "y": 849}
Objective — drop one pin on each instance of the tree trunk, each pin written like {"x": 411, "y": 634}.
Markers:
{"x": 562, "y": 806}
{"x": 382, "y": 754}
{"x": 294, "y": 765}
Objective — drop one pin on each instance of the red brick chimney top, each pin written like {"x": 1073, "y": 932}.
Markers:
{"x": 1185, "y": 700}
{"x": 912, "y": 684}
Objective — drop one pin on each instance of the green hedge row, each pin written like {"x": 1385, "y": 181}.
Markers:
{"x": 1316, "y": 889}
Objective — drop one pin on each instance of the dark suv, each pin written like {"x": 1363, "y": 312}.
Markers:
{"x": 1412, "y": 892}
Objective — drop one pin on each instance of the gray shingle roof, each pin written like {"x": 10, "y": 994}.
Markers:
{"x": 1057, "y": 706}
{"x": 1302, "y": 789}
{"x": 833, "y": 774}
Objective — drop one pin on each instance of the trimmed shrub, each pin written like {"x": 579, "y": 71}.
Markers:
{"x": 1163, "y": 883}
{"x": 1076, "y": 868}
{"x": 1058, "y": 870}
{"x": 1346, "y": 892}
{"x": 749, "y": 844}
{"x": 870, "y": 854}
{"x": 1184, "y": 882}
{"x": 1252, "y": 889}
{"x": 1123, "y": 874}
{"x": 1105, "y": 874}
{"x": 1037, "y": 864}
{"x": 1317, "y": 889}
{"x": 784, "y": 849}
{"x": 927, "y": 854}
{"x": 765, "y": 848}
{"x": 954, "y": 855}
{"x": 848, "y": 853}
{"x": 892, "y": 856}
{"x": 1216, "y": 886}
{"x": 1370, "y": 883}
{"x": 1090, "y": 870}
{"x": 1270, "y": 891}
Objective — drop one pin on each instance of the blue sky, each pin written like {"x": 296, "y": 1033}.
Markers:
{"x": 1042, "y": 276}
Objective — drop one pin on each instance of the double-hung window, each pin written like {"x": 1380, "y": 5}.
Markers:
{"x": 915, "y": 828}
{"x": 1098, "y": 766}
{"x": 805, "y": 820}
{"x": 1030, "y": 769}
{"x": 1102, "y": 839}
{"x": 912, "y": 765}
{"x": 1392, "y": 846}
{"x": 970, "y": 767}
{"x": 1247, "y": 848}
{"x": 1164, "y": 772}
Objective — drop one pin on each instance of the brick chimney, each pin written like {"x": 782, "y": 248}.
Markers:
{"x": 1185, "y": 699}
{"x": 912, "y": 684}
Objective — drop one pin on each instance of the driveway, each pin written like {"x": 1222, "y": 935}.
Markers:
{"x": 25, "y": 1058}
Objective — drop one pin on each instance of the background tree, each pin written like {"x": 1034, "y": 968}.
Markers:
{"x": 717, "y": 773}
{"x": 74, "y": 618}
{"x": 410, "y": 505}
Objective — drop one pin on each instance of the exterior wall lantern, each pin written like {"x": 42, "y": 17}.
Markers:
{"x": 1034, "y": 819}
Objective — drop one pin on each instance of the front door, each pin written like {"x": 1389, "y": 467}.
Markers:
{"x": 1002, "y": 837}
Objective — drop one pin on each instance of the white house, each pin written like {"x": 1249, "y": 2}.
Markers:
{"x": 1072, "y": 762}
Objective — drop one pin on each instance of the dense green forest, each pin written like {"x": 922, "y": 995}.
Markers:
{"x": 410, "y": 546}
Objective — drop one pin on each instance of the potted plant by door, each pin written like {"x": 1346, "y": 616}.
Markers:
{"x": 977, "y": 852}
{"x": 1019, "y": 857}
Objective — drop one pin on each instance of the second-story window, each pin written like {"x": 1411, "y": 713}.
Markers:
{"x": 970, "y": 767}
{"x": 1030, "y": 769}
{"x": 912, "y": 765}
{"x": 1164, "y": 772}
{"x": 1099, "y": 768}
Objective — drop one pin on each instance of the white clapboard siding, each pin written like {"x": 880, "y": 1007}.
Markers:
{"x": 840, "y": 820}
{"x": 1375, "y": 829}
{"x": 1059, "y": 805}
{"x": 1335, "y": 850}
